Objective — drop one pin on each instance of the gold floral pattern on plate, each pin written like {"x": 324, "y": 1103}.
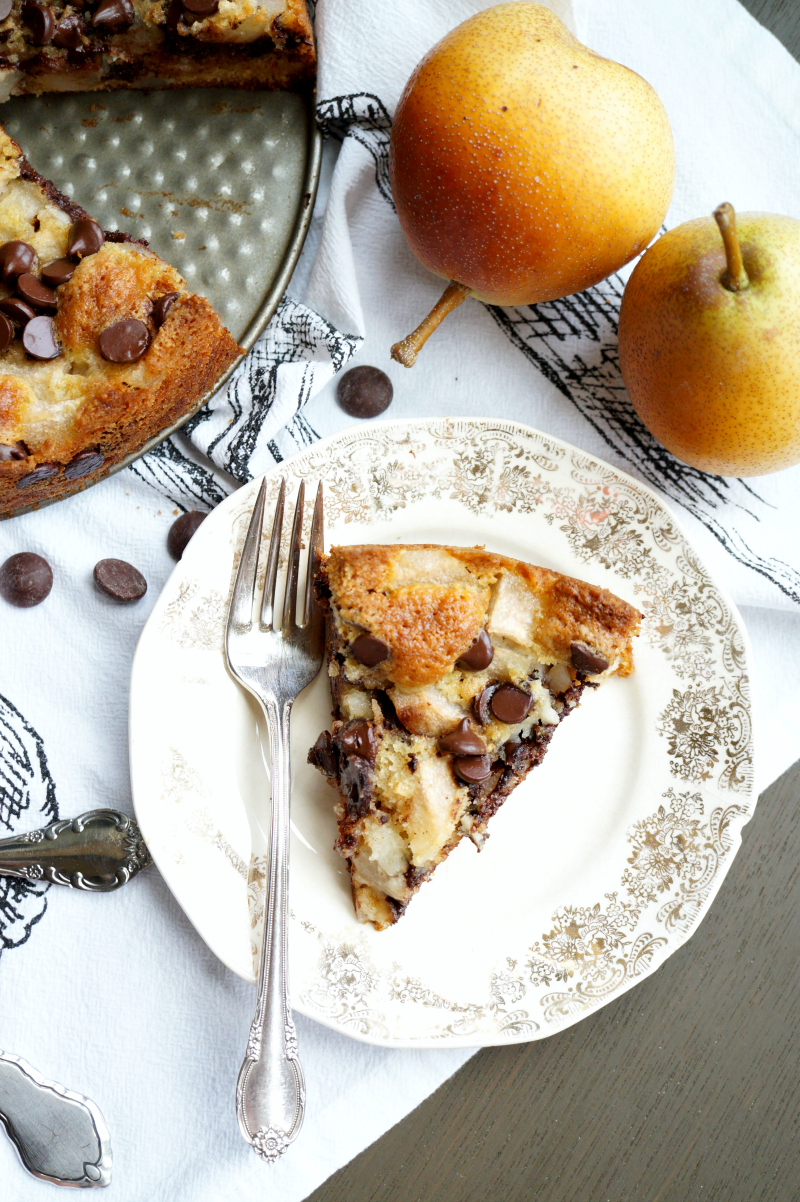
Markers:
{"x": 659, "y": 873}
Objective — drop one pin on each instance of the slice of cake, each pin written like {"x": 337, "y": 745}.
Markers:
{"x": 450, "y": 669}
{"x": 102, "y": 346}
{"x": 86, "y": 45}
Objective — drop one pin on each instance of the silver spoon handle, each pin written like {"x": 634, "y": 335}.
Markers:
{"x": 97, "y": 851}
{"x": 270, "y": 1091}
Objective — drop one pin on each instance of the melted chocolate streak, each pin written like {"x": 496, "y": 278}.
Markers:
{"x": 27, "y": 801}
{"x": 590, "y": 377}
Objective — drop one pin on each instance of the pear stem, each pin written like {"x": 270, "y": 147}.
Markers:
{"x": 735, "y": 278}
{"x": 406, "y": 351}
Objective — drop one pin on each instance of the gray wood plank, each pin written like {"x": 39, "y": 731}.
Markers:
{"x": 781, "y": 17}
{"x": 683, "y": 1089}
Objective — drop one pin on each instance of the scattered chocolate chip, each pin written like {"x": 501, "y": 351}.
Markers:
{"x": 69, "y": 31}
{"x": 201, "y": 8}
{"x": 40, "y": 20}
{"x": 162, "y": 306}
{"x": 17, "y": 310}
{"x": 462, "y": 741}
{"x": 17, "y": 450}
{"x": 113, "y": 16}
{"x": 368, "y": 650}
{"x": 6, "y": 333}
{"x": 481, "y": 705}
{"x": 85, "y": 238}
{"x": 39, "y": 339}
{"x": 15, "y": 259}
{"x": 479, "y": 655}
{"x": 323, "y": 755}
{"x": 359, "y": 739}
{"x": 84, "y": 464}
{"x": 511, "y": 704}
{"x": 43, "y": 472}
{"x": 584, "y": 659}
{"x": 364, "y": 391}
{"x": 182, "y": 530}
{"x": 472, "y": 768}
{"x": 5, "y": 9}
{"x": 119, "y": 580}
{"x": 58, "y": 272}
{"x": 36, "y": 294}
{"x": 124, "y": 342}
{"x": 174, "y": 15}
{"x": 25, "y": 579}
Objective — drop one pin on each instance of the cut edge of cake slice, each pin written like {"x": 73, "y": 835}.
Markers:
{"x": 450, "y": 669}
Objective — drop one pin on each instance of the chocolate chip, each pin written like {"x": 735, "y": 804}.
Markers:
{"x": 43, "y": 472}
{"x": 174, "y": 15}
{"x": 84, "y": 464}
{"x": 359, "y": 739}
{"x": 5, "y": 9}
{"x": 58, "y": 272}
{"x": 124, "y": 342}
{"x": 481, "y": 705}
{"x": 462, "y": 741}
{"x": 37, "y": 294}
{"x": 323, "y": 755}
{"x": 85, "y": 238}
{"x": 584, "y": 659}
{"x": 16, "y": 450}
{"x": 17, "y": 310}
{"x": 69, "y": 33}
{"x": 368, "y": 650}
{"x": 472, "y": 768}
{"x": 15, "y": 259}
{"x": 25, "y": 579}
{"x": 364, "y": 391}
{"x": 479, "y": 655}
{"x": 182, "y": 530}
{"x": 162, "y": 306}
{"x": 40, "y": 20}
{"x": 39, "y": 339}
{"x": 510, "y": 704}
{"x": 113, "y": 16}
{"x": 119, "y": 580}
{"x": 6, "y": 333}
{"x": 201, "y": 8}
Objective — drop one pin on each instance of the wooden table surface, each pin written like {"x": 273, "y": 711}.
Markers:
{"x": 685, "y": 1089}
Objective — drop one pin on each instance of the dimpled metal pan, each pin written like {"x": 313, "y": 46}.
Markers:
{"x": 220, "y": 183}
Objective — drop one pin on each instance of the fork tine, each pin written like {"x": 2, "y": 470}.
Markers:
{"x": 316, "y": 548}
{"x": 268, "y": 602}
{"x": 240, "y": 613}
{"x": 290, "y": 597}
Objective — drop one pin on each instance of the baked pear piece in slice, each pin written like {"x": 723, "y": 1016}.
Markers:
{"x": 450, "y": 669}
{"x": 102, "y": 345}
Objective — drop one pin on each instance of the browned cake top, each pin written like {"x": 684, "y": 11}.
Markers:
{"x": 428, "y": 604}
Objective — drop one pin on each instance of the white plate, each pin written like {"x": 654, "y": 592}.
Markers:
{"x": 602, "y": 862}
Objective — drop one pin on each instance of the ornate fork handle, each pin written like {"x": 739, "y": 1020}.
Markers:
{"x": 97, "y": 851}
{"x": 270, "y": 1091}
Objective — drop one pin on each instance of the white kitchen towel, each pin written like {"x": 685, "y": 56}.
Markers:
{"x": 116, "y": 995}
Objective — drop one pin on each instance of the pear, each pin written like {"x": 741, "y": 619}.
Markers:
{"x": 709, "y": 342}
{"x": 524, "y": 166}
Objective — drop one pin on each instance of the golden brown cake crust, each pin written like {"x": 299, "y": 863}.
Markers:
{"x": 55, "y": 411}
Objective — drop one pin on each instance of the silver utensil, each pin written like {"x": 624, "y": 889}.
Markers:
{"x": 275, "y": 665}
{"x": 60, "y": 1135}
{"x": 97, "y": 851}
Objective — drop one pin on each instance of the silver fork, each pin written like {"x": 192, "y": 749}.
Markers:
{"x": 275, "y": 665}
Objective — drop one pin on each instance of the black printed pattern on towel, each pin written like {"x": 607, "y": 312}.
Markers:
{"x": 362, "y": 116}
{"x": 573, "y": 343}
{"x": 244, "y": 424}
{"x": 175, "y": 475}
{"x": 27, "y": 802}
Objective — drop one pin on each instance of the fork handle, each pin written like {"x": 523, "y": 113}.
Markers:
{"x": 270, "y": 1092}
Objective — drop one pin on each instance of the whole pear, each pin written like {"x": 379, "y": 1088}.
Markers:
{"x": 523, "y": 165}
{"x": 709, "y": 342}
